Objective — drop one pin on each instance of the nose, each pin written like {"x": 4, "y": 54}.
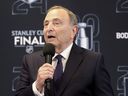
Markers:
{"x": 50, "y": 27}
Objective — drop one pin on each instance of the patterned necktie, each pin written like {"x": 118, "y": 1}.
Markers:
{"x": 58, "y": 72}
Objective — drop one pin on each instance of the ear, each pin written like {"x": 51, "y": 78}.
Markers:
{"x": 75, "y": 30}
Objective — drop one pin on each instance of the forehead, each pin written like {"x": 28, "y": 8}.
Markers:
{"x": 57, "y": 13}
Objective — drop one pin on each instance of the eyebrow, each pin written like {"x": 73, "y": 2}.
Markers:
{"x": 57, "y": 19}
{"x": 54, "y": 19}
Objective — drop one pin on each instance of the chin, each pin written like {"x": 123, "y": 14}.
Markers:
{"x": 52, "y": 43}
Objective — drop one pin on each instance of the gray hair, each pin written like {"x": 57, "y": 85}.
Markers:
{"x": 72, "y": 16}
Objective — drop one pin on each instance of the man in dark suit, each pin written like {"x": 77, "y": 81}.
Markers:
{"x": 84, "y": 71}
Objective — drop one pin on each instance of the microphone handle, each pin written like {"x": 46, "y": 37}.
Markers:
{"x": 48, "y": 59}
{"x": 48, "y": 89}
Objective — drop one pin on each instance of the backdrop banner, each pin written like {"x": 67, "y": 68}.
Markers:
{"x": 103, "y": 27}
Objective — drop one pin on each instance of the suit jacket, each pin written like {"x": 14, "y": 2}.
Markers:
{"x": 85, "y": 74}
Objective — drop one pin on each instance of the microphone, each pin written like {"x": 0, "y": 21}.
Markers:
{"x": 48, "y": 51}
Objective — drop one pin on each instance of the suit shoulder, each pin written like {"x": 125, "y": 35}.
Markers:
{"x": 36, "y": 54}
{"x": 86, "y": 52}
{"x": 90, "y": 52}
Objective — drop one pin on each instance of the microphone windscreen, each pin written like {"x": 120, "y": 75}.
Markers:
{"x": 49, "y": 49}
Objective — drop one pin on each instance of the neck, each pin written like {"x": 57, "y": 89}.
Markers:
{"x": 61, "y": 48}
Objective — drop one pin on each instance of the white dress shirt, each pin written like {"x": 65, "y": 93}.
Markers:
{"x": 65, "y": 55}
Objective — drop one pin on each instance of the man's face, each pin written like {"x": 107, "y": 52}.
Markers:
{"x": 58, "y": 29}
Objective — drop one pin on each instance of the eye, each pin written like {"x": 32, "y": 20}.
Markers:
{"x": 45, "y": 24}
{"x": 57, "y": 22}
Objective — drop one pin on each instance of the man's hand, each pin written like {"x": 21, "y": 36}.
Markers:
{"x": 44, "y": 72}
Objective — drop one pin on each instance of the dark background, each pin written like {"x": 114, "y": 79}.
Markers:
{"x": 113, "y": 18}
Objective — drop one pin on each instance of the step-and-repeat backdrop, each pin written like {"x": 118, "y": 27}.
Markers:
{"x": 103, "y": 27}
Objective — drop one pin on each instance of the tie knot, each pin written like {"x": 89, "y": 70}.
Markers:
{"x": 59, "y": 57}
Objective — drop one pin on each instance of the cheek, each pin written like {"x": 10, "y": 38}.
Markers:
{"x": 65, "y": 36}
{"x": 44, "y": 34}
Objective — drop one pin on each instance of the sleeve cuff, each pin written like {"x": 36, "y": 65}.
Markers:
{"x": 36, "y": 92}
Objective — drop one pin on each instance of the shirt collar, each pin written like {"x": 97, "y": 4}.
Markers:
{"x": 66, "y": 52}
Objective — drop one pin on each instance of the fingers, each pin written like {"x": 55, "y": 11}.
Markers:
{"x": 46, "y": 68}
{"x": 44, "y": 72}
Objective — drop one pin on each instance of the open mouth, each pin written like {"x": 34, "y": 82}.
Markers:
{"x": 49, "y": 37}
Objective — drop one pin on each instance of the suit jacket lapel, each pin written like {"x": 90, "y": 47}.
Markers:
{"x": 71, "y": 67}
